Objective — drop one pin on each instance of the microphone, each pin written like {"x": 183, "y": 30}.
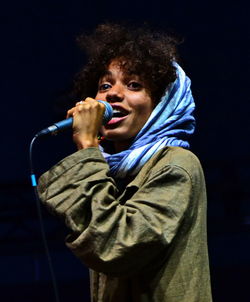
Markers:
{"x": 67, "y": 123}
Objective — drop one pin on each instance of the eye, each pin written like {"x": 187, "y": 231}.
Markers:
{"x": 133, "y": 85}
{"x": 104, "y": 86}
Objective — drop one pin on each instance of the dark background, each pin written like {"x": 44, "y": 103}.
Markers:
{"x": 39, "y": 57}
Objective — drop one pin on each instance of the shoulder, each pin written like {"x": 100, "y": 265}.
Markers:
{"x": 175, "y": 159}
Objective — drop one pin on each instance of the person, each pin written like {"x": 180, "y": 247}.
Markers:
{"x": 134, "y": 199}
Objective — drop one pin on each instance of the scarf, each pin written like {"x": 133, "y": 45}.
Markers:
{"x": 170, "y": 124}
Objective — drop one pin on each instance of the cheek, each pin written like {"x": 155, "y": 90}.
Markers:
{"x": 143, "y": 106}
{"x": 99, "y": 96}
{"x": 139, "y": 99}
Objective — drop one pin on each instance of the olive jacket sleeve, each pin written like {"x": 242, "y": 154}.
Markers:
{"x": 112, "y": 232}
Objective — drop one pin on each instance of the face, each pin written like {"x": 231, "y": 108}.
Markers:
{"x": 130, "y": 100}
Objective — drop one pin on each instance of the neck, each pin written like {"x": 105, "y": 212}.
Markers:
{"x": 122, "y": 145}
{"x": 113, "y": 147}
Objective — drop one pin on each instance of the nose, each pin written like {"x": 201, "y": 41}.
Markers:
{"x": 115, "y": 94}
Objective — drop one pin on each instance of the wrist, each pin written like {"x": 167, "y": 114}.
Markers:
{"x": 87, "y": 143}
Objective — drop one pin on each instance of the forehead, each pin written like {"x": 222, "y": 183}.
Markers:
{"x": 121, "y": 68}
{"x": 118, "y": 64}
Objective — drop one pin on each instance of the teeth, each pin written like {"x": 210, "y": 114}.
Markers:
{"x": 118, "y": 113}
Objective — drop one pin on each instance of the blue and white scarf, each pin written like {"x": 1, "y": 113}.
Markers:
{"x": 170, "y": 124}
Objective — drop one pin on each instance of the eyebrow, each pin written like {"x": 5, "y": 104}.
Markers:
{"x": 106, "y": 73}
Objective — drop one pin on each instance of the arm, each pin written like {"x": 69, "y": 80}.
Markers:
{"x": 107, "y": 235}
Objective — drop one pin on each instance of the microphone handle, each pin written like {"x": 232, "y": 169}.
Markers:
{"x": 67, "y": 123}
{"x": 57, "y": 127}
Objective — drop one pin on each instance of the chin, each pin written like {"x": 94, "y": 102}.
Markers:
{"x": 116, "y": 136}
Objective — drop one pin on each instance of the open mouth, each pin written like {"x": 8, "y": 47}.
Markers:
{"x": 118, "y": 112}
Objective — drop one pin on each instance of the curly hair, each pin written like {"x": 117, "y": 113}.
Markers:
{"x": 146, "y": 53}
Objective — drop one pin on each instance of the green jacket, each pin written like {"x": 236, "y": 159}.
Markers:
{"x": 146, "y": 243}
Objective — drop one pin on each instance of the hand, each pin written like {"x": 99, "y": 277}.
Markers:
{"x": 87, "y": 120}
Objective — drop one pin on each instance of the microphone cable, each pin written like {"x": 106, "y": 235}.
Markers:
{"x": 40, "y": 218}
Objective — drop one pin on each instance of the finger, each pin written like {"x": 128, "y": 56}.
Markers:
{"x": 79, "y": 103}
{"x": 71, "y": 112}
{"x": 88, "y": 99}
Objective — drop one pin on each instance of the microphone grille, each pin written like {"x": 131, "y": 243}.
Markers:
{"x": 108, "y": 113}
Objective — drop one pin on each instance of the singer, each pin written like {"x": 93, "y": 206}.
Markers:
{"x": 134, "y": 201}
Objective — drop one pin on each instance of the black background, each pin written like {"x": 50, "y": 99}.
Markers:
{"x": 39, "y": 57}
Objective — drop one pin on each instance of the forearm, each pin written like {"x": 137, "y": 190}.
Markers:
{"x": 109, "y": 236}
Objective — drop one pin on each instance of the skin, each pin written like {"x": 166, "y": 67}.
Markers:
{"x": 126, "y": 94}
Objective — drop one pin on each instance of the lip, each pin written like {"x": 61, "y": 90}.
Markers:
{"x": 119, "y": 107}
{"x": 116, "y": 120}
